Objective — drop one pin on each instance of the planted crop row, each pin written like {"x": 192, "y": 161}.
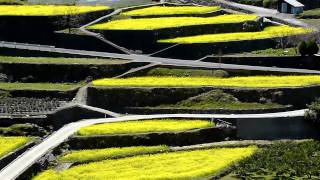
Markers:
{"x": 251, "y": 81}
{"x": 90, "y": 155}
{"x": 9, "y": 144}
{"x": 171, "y": 10}
{"x": 169, "y": 22}
{"x": 47, "y": 10}
{"x": 268, "y": 32}
{"x": 172, "y": 165}
{"x": 143, "y": 126}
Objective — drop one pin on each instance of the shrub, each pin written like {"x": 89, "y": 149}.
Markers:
{"x": 312, "y": 47}
{"x": 303, "y": 48}
{"x": 287, "y": 160}
{"x": 313, "y": 111}
{"x": 220, "y": 73}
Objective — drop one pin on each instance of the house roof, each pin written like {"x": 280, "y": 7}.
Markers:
{"x": 294, "y": 3}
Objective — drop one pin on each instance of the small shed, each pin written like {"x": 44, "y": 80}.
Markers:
{"x": 290, "y": 6}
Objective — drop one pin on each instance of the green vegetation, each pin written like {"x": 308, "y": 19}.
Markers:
{"x": 23, "y": 130}
{"x": 309, "y": 47}
{"x": 39, "y": 86}
{"x": 313, "y": 13}
{"x": 85, "y": 156}
{"x": 171, "y": 10}
{"x": 183, "y": 72}
{"x": 268, "y": 32}
{"x": 194, "y": 164}
{"x": 282, "y": 161}
{"x": 59, "y": 60}
{"x": 251, "y": 81}
{"x": 217, "y": 99}
{"x": 274, "y": 52}
{"x": 47, "y": 10}
{"x": 9, "y": 144}
{"x": 143, "y": 126}
{"x": 313, "y": 112}
{"x": 170, "y": 22}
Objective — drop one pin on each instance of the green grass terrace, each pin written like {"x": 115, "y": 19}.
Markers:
{"x": 144, "y": 126}
{"x": 59, "y": 60}
{"x": 170, "y": 22}
{"x": 250, "y": 81}
{"x": 47, "y": 10}
{"x": 193, "y": 164}
{"x": 171, "y": 10}
{"x": 9, "y": 144}
{"x": 40, "y": 86}
{"x": 268, "y": 32}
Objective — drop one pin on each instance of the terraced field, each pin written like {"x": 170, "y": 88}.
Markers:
{"x": 144, "y": 126}
{"x": 91, "y": 155}
{"x": 268, "y": 32}
{"x": 40, "y": 86}
{"x": 170, "y": 22}
{"x": 251, "y": 81}
{"x": 9, "y": 144}
{"x": 171, "y": 10}
{"x": 47, "y": 10}
{"x": 177, "y": 165}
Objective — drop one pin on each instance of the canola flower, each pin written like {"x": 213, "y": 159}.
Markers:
{"x": 268, "y": 32}
{"x": 9, "y": 144}
{"x": 170, "y": 22}
{"x": 47, "y": 10}
{"x": 172, "y": 165}
{"x": 143, "y": 126}
{"x": 250, "y": 81}
{"x": 171, "y": 10}
{"x": 89, "y": 155}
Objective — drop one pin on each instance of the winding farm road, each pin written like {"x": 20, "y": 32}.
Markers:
{"x": 23, "y": 162}
{"x": 157, "y": 60}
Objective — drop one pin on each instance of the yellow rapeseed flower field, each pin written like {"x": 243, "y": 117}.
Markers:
{"x": 250, "y": 81}
{"x": 171, "y": 10}
{"x": 143, "y": 126}
{"x": 169, "y": 22}
{"x": 9, "y": 144}
{"x": 47, "y": 10}
{"x": 268, "y": 32}
{"x": 90, "y": 155}
{"x": 195, "y": 164}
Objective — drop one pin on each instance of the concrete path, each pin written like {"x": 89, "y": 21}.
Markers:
{"x": 24, "y": 161}
{"x": 157, "y": 60}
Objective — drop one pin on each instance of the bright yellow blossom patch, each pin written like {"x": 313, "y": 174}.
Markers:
{"x": 9, "y": 144}
{"x": 250, "y": 81}
{"x": 195, "y": 164}
{"x": 169, "y": 22}
{"x": 144, "y": 126}
{"x": 268, "y": 32}
{"x": 47, "y": 10}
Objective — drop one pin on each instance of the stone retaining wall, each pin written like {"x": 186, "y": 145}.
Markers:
{"x": 116, "y": 98}
{"x": 173, "y": 110}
